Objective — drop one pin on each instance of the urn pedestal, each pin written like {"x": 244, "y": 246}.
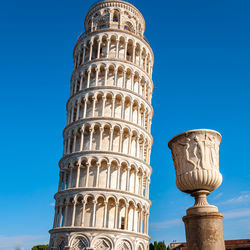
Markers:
{"x": 196, "y": 160}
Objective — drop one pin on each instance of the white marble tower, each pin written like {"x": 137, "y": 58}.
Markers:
{"x": 103, "y": 196}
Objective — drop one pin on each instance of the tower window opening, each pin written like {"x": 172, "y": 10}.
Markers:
{"x": 116, "y": 17}
{"x": 128, "y": 26}
{"x": 123, "y": 223}
{"x": 102, "y": 24}
{"x": 104, "y": 27}
{"x": 67, "y": 182}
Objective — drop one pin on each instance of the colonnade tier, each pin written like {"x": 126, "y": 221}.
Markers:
{"x": 114, "y": 74}
{"x": 143, "y": 96}
{"x": 90, "y": 173}
{"x": 120, "y": 45}
{"x": 111, "y": 104}
{"x": 100, "y": 211}
{"x": 97, "y": 136}
{"x": 116, "y": 159}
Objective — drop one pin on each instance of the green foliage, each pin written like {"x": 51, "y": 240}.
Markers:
{"x": 158, "y": 246}
{"x": 155, "y": 245}
{"x": 161, "y": 246}
{"x": 40, "y": 247}
{"x": 151, "y": 246}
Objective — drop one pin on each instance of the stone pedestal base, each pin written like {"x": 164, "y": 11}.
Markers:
{"x": 204, "y": 231}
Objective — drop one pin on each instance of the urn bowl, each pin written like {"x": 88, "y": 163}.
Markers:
{"x": 196, "y": 160}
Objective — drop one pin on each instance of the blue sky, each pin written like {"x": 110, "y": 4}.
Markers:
{"x": 201, "y": 76}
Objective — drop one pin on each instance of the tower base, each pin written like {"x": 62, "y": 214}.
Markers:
{"x": 96, "y": 238}
{"x": 204, "y": 231}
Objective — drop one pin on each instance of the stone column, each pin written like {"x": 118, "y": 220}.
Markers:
{"x": 145, "y": 223}
{"x": 135, "y": 177}
{"x": 70, "y": 176}
{"x": 87, "y": 175}
{"x": 94, "y": 99}
{"x": 142, "y": 156}
{"x": 146, "y": 187}
{"x": 136, "y": 146}
{"x": 72, "y": 114}
{"x": 108, "y": 47}
{"x": 133, "y": 58}
{"x": 140, "y": 60}
{"x": 132, "y": 81}
{"x": 147, "y": 216}
{"x": 96, "y": 76}
{"x": 118, "y": 177}
{"x": 83, "y": 212}
{"x": 74, "y": 142}
{"x": 133, "y": 224}
{"x": 123, "y": 108}
{"x": 73, "y": 214}
{"x": 91, "y": 130}
{"x": 99, "y": 48}
{"x": 88, "y": 80}
{"x": 129, "y": 143}
{"x": 101, "y": 134}
{"x": 131, "y": 111}
{"x": 78, "y": 174}
{"x": 117, "y": 49}
{"x": 81, "y": 80}
{"x": 146, "y": 63}
{"x": 85, "y": 107}
{"x": 126, "y": 217}
{"x": 56, "y": 215}
{"x": 91, "y": 50}
{"x": 108, "y": 176}
{"x": 59, "y": 216}
{"x": 105, "y": 213}
{"x": 125, "y": 50}
{"x": 141, "y": 185}
{"x": 115, "y": 77}
{"x": 141, "y": 225}
{"x": 116, "y": 214}
{"x": 84, "y": 52}
{"x": 120, "y": 142}
{"x": 113, "y": 107}
{"x": 103, "y": 105}
{"x": 78, "y": 109}
{"x": 128, "y": 179}
{"x": 65, "y": 215}
{"x": 106, "y": 76}
{"x": 94, "y": 213}
{"x": 111, "y": 139}
{"x": 82, "y": 138}
{"x": 97, "y": 174}
{"x": 124, "y": 79}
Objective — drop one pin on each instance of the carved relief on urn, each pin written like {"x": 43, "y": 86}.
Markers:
{"x": 196, "y": 161}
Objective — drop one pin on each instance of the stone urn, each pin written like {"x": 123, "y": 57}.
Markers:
{"x": 196, "y": 160}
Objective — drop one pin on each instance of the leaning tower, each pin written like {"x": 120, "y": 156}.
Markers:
{"x": 103, "y": 195}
